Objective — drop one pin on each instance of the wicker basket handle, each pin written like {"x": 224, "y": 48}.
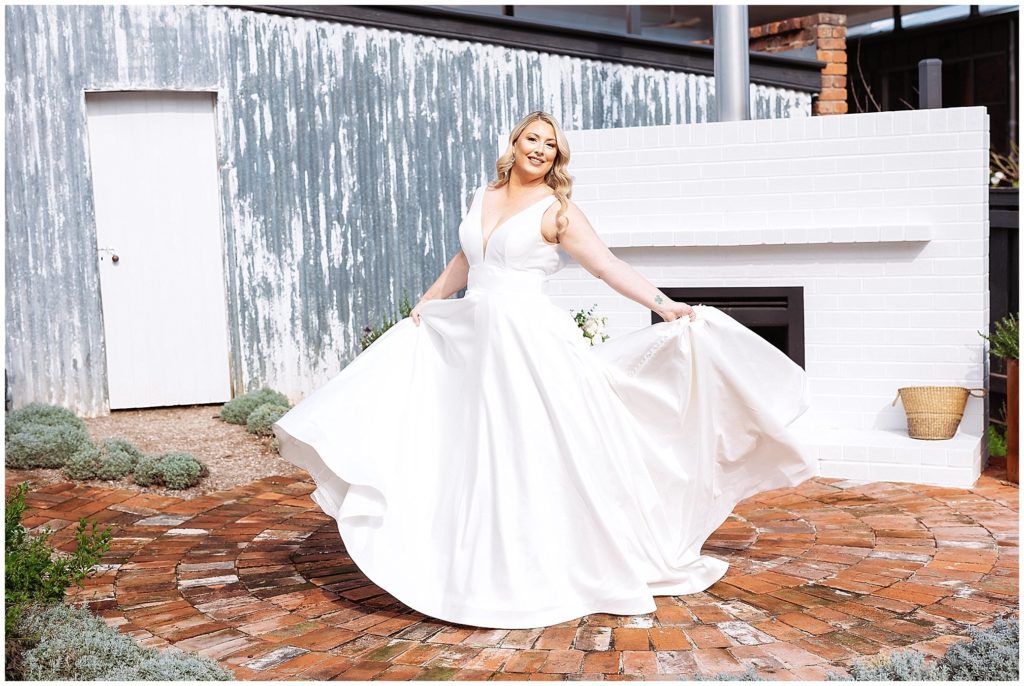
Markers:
{"x": 970, "y": 391}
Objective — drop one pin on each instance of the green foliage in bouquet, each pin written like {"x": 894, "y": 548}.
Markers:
{"x": 237, "y": 410}
{"x": 590, "y": 325}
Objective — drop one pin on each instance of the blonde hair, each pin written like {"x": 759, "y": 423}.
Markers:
{"x": 557, "y": 177}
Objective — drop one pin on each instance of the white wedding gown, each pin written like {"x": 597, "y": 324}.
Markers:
{"x": 490, "y": 468}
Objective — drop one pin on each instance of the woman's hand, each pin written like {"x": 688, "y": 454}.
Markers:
{"x": 673, "y": 310}
{"x": 454, "y": 277}
{"x": 414, "y": 313}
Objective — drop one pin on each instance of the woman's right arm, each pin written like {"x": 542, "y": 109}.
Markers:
{"x": 454, "y": 277}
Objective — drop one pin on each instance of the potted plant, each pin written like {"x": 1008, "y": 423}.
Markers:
{"x": 1004, "y": 342}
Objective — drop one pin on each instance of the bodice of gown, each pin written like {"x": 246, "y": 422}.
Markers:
{"x": 517, "y": 257}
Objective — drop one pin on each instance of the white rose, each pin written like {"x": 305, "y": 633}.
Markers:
{"x": 590, "y": 327}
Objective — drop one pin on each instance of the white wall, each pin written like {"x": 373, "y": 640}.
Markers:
{"x": 882, "y": 218}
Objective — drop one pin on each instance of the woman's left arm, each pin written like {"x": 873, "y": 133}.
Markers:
{"x": 581, "y": 241}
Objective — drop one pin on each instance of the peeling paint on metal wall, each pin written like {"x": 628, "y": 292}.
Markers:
{"x": 346, "y": 155}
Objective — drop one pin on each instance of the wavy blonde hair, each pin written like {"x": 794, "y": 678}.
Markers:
{"x": 557, "y": 177}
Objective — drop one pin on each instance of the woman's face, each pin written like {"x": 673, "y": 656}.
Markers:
{"x": 535, "y": 149}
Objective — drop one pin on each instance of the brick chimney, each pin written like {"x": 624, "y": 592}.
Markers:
{"x": 826, "y": 34}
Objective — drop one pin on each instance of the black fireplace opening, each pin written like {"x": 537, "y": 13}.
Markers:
{"x": 776, "y": 313}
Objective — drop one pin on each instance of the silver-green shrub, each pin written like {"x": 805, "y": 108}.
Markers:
{"x": 85, "y": 463}
{"x": 180, "y": 470}
{"x": 173, "y": 470}
{"x": 120, "y": 459}
{"x": 40, "y": 414}
{"x": 263, "y": 417}
{"x": 147, "y": 471}
{"x": 72, "y": 644}
{"x": 113, "y": 459}
{"x": 48, "y": 447}
{"x": 749, "y": 675}
{"x": 237, "y": 410}
{"x": 906, "y": 665}
{"x": 991, "y": 654}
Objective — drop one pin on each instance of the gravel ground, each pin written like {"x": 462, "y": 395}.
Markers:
{"x": 234, "y": 455}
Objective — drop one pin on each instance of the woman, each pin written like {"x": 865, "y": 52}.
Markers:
{"x": 487, "y": 466}
{"x": 535, "y": 167}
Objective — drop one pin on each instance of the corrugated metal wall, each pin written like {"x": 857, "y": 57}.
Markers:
{"x": 346, "y": 154}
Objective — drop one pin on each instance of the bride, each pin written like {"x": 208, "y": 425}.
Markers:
{"x": 535, "y": 167}
{"x": 486, "y": 466}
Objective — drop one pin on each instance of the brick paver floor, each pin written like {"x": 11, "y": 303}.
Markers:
{"x": 823, "y": 574}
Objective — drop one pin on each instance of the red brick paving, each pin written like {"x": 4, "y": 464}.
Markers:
{"x": 257, "y": 578}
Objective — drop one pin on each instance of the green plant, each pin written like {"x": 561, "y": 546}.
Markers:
{"x": 67, "y": 643}
{"x": 237, "y": 410}
{"x": 991, "y": 654}
{"x": 907, "y": 665}
{"x": 33, "y": 570}
{"x": 41, "y": 414}
{"x": 85, "y": 463}
{"x": 173, "y": 470}
{"x": 119, "y": 461}
{"x": 116, "y": 459}
{"x": 372, "y": 334}
{"x": 263, "y": 417}
{"x": 46, "y": 436}
{"x": 1004, "y": 342}
{"x": 181, "y": 470}
{"x": 147, "y": 471}
{"x": 996, "y": 441}
{"x": 749, "y": 675}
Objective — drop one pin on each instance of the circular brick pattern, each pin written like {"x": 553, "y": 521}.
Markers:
{"x": 820, "y": 575}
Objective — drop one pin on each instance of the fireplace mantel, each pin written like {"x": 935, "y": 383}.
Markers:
{"x": 878, "y": 233}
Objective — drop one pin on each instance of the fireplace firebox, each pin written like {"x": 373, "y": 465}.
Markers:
{"x": 776, "y": 313}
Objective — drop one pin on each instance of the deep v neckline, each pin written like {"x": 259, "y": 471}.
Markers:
{"x": 484, "y": 242}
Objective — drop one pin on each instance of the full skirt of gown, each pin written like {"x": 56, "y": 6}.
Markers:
{"x": 489, "y": 467}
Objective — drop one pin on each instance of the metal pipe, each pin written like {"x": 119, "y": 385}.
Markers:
{"x": 929, "y": 84}
{"x": 732, "y": 62}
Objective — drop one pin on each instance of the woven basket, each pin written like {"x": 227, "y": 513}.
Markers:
{"x": 934, "y": 412}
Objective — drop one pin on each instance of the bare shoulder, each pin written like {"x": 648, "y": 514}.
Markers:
{"x": 552, "y": 229}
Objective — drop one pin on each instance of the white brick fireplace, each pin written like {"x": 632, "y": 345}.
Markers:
{"x": 881, "y": 219}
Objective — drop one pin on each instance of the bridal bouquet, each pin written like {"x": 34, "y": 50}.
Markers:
{"x": 591, "y": 326}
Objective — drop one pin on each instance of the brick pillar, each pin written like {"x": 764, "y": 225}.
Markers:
{"x": 826, "y": 33}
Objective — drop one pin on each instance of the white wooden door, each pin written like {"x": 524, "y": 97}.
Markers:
{"x": 154, "y": 175}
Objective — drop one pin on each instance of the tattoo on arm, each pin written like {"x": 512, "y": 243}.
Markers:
{"x": 658, "y": 299}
